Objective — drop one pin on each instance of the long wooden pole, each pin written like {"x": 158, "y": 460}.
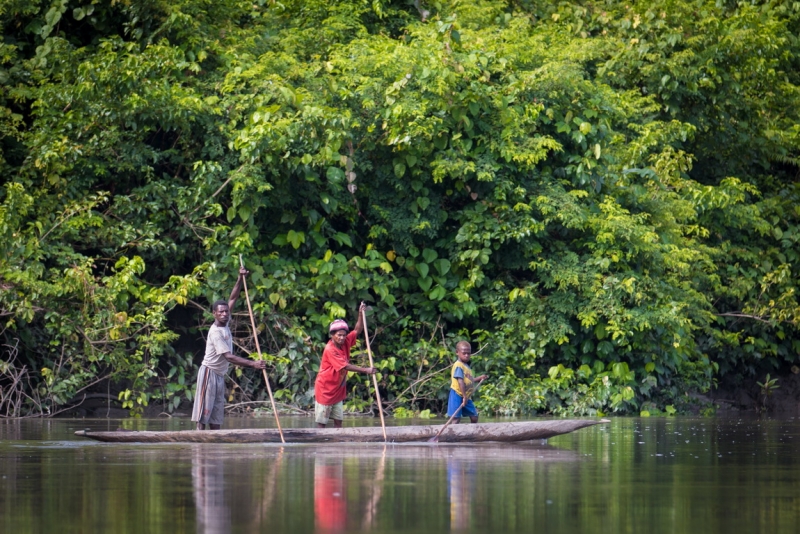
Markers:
{"x": 435, "y": 438}
{"x": 258, "y": 349}
{"x": 374, "y": 378}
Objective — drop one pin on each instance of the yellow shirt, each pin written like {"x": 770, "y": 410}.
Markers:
{"x": 454, "y": 385}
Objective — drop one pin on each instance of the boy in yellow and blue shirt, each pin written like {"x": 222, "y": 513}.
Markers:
{"x": 461, "y": 383}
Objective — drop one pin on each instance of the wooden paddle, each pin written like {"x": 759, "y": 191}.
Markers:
{"x": 374, "y": 378}
{"x": 258, "y": 349}
{"x": 435, "y": 438}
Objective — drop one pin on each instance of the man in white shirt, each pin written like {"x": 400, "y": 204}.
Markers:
{"x": 209, "y": 397}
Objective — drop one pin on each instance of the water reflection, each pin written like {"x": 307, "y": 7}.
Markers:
{"x": 371, "y": 512}
{"x": 242, "y": 492}
{"x": 208, "y": 480}
{"x": 460, "y": 491}
{"x": 445, "y": 482}
{"x": 661, "y": 476}
{"x": 333, "y": 486}
{"x": 263, "y": 506}
{"x": 330, "y": 501}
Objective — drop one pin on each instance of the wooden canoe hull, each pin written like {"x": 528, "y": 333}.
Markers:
{"x": 501, "y": 432}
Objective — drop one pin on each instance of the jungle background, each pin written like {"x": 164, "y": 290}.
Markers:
{"x": 601, "y": 196}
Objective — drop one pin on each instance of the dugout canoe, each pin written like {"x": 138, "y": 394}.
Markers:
{"x": 462, "y": 433}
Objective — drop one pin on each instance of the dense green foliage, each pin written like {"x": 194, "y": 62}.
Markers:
{"x": 601, "y": 196}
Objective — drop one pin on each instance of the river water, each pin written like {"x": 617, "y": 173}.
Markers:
{"x": 655, "y": 475}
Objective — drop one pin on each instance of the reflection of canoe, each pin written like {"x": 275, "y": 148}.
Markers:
{"x": 503, "y": 432}
{"x": 487, "y": 452}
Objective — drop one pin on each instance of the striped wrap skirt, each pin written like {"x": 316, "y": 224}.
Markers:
{"x": 209, "y": 397}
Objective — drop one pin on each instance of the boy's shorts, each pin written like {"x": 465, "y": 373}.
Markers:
{"x": 454, "y": 403}
{"x": 322, "y": 412}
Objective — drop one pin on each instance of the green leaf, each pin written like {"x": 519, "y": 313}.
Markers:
{"x": 429, "y": 255}
{"x": 438, "y": 293}
{"x": 335, "y": 175}
{"x": 343, "y": 239}
{"x": 295, "y": 238}
{"x": 600, "y": 331}
{"x": 425, "y": 283}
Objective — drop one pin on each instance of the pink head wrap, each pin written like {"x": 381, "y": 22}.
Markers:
{"x": 338, "y": 324}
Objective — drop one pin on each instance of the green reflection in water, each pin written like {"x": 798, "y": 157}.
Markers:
{"x": 634, "y": 475}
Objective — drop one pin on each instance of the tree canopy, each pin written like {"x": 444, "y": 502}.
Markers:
{"x": 602, "y": 196}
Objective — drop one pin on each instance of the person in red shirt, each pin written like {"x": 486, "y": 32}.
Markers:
{"x": 330, "y": 388}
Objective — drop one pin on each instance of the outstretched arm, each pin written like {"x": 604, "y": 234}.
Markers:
{"x": 237, "y": 288}
{"x": 468, "y": 391}
{"x": 356, "y": 369}
{"x": 244, "y": 362}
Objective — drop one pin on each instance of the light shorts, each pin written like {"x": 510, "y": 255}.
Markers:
{"x": 322, "y": 412}
{"x": 454, "y": 405}
{"x": 209, "y": 397}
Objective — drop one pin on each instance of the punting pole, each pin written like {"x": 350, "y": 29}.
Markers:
{"x": 258, "y": 349}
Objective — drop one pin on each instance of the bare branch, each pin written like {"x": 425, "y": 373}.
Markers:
{"x": 746, "y": 316}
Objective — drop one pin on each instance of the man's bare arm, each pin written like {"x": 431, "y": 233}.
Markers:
{"x": 356, "y": 369}
{"x": 237, "y": 288}
{"x": 244, "y": 362}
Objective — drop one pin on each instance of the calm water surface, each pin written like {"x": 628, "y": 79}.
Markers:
{"x": 672, "y": 475}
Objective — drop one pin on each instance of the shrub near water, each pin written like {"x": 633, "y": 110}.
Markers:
{"x": 601, "y": 196}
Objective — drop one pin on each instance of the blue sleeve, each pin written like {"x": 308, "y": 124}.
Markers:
{"x": 458, "y": 373}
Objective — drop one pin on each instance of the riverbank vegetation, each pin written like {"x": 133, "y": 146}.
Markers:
{"x": 602, "y": 196}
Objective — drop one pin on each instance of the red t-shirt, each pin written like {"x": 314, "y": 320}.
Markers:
{"x": 331, "y": 384}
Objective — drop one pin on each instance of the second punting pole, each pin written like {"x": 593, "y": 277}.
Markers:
{"x": 374, "y": 378}
{"x": 258, "y": 349}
